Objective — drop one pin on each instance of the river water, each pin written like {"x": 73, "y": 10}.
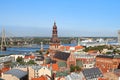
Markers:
{"x": 22, "y": 50}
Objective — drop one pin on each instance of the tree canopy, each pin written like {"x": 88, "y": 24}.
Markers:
{"x": 99, "y": 48}
{"x": 74, "y": 68}
{"x": 62, "y": 64}
{"x": 31, "y": 62}
{"x": 19, "y": 59}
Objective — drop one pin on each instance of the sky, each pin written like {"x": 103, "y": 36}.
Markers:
{"x": 74, "y": 18}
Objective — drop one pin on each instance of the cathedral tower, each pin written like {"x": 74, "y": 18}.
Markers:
{"x": 54, "y": 42}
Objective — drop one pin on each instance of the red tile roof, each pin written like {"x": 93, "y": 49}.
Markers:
{"x": 78, "y": 47}
{"x": 40, "y": 78}
{"x": 64, "y": 48}
{"x": 92, "y": 51}
{"x": 31, "y": 57}
{"x": 103, "y": 79}
{"x": 5, "y": 69}
{"x": 54, "y": 67}
{"x": 67, "y": 47}
{"x": 60, "y": 78}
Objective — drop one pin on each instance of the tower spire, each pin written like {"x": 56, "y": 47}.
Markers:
{"x": 54, "y": 40}
{"x": 54, "y": 23}
{"x": 3, "y": 41}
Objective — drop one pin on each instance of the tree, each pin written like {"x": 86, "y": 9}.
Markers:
{"x": 47, "y": 52}
{"x": 116, "y": 51}
{"x": 22, "y": 63}
{"x": 108, "y": 52}
{"x": 77, "y": 68}
{"x": 31, "y": 62}
{"x": 72, "y": 68}
{"x": 40, "y": 52}
{"x": 19, "y": 59}
{"x": 99, "y": 48}
{"x": 62, "y": 73}
{"x": 62, "y": 64}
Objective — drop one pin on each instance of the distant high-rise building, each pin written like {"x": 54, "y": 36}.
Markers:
{"x": 54, "y": 42}
{"x": 119, "y": 36}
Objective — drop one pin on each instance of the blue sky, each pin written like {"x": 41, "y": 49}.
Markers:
{"x": 73, "y": 17}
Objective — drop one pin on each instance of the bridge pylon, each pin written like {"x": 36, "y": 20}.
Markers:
{"x": 3, "y": 41}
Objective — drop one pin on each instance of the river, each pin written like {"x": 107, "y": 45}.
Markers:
{"x": 22, "y": 50}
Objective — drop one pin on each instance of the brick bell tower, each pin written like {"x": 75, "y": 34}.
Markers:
{"x": 54, "y": 42}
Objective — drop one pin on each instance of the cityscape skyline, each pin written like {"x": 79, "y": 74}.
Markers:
{"x": 73, "y": 18}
